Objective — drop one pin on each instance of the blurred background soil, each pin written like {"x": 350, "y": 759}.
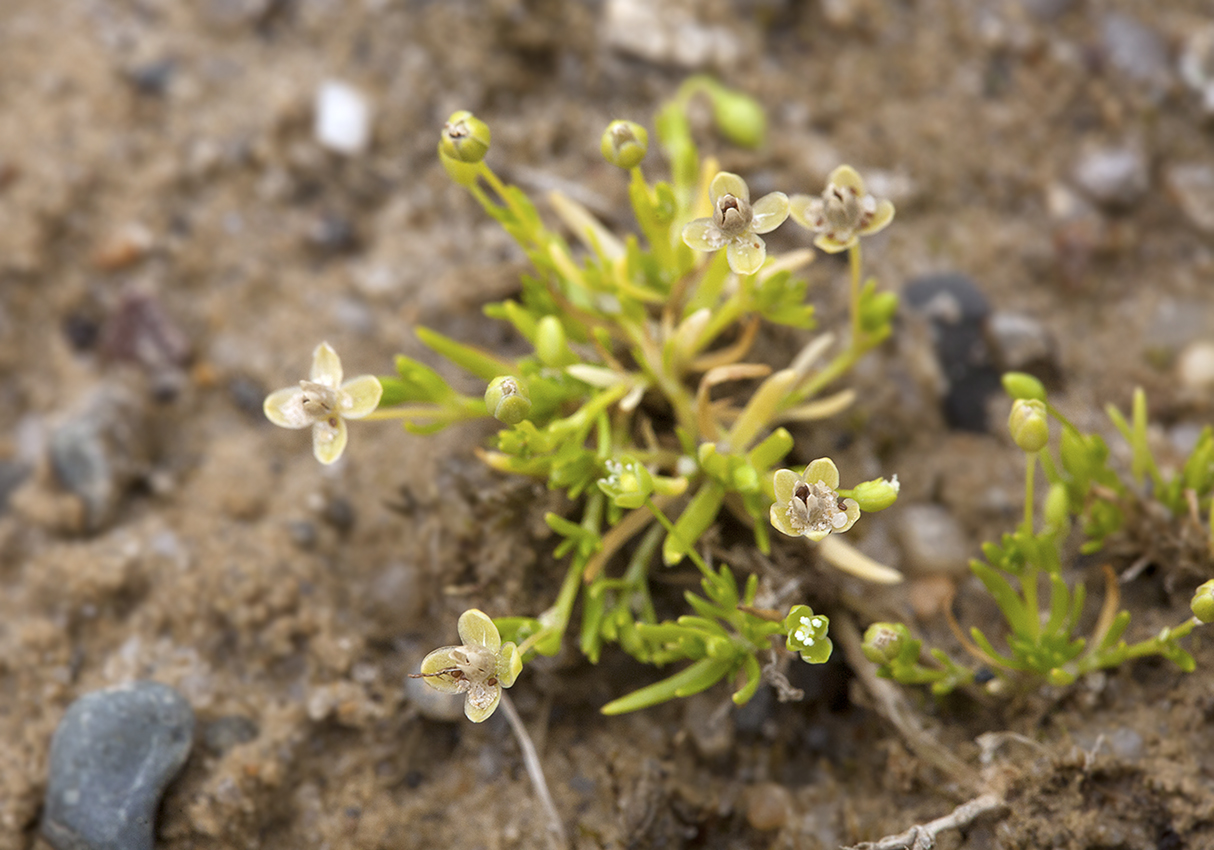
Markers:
{"x": 174, "y": 241}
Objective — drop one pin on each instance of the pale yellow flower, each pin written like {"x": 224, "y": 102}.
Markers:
{"x": 479, "y": 668}
{"x": 807, "y": 505}
{"x": 324, "y": 403}
{"x": 842, "y": 213}
{"x": 735, "y": 223}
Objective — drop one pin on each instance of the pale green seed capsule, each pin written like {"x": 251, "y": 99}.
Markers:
{"x": 739, "y": 118}
{"x": 1028, "y": 424}
{"x": 1203, "y": 602}
{"x": 465, "y": 137}
{"x": 1022, "y": 385}
{"x": 551, "y": 344}
{"x": 883, "y": 642}
{"x": 876, "y": 495}
{"x": 1057, "y": 506}
{"x": 624, "y": 144}
{"x": 507, "y": 400}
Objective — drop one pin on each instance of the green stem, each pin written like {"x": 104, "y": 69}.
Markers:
{"x": 670, "y": 529}
{"x": 1030, "y": 469}
{"x": 854, "y": 260}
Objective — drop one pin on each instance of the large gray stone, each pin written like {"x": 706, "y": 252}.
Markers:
{"x": 112, "y": 756}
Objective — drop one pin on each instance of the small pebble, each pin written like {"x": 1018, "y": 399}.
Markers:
{"x": 1136, "y": 50}
{"x": 123, "y": 248}
{"x": 1023, "y": 344}
{"x": 224, "y": 733}
{"x": 932, "y": 540}
{"x": 1115, "y": 177}
{"x": 1197, "y": 66}
{"x": 670, "y": 34}
{"x": 343, "y": 118}
{"x": 710, "y": 722}
{"x": 1195, "y": 366}
{"x": 112, "y": 756}
{"x": 95, "y": 455}
{"x": 768, "y": 806}
{"x": 1191, "y": 186}
{"x": 958, "y": 312}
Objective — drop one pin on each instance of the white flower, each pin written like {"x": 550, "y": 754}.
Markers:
{"x": 324, "y": 403}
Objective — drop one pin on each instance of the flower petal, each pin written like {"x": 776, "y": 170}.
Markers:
{"x": 806, "y": 210}
{"x": 482, "y": 701}
{"x": 831, "y": 245}
{"x": 770, "y": 211}
{"x": 509, "y": 664}
{"x": 847, "y": 177}
{"x": 441, "y": 659}
{"x": 815, "y": 536}
{"x": 703, "y": 235}
{"x": 852, "y": 509}
{"x": 728, "y": 183}
{"x": 883, "y": 216}
{"x": 285, "y": 408}
{"x": 329, "y": 439}
{"x": 360, "y": 396}
{"x": 746, "y": 254}
{"x": 822, "y": 470}
{"x": 779, "y": 518}
{"x": 326, "y": 365}
{"x": 785, "y": 483}
{"x": 476, "y": 629}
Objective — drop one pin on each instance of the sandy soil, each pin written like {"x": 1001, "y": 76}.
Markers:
{"x": 174, "y": 242}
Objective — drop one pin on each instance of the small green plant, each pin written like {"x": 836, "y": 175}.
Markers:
{"x": 1041, "y": 640}
{"x": 621, "y": 404}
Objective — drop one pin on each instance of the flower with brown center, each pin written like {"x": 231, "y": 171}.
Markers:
{"x": 735, "y": 223}
{"x": 808, "y": 505}
{"x": 842, "y": 213}
{"x": 324, "y": 403}
{"x": 479, "y": 669}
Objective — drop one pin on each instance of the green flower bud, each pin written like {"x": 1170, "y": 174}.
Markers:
{"x": 739, "y": 118}
{"x": 876, "y": 495}
{"x": 1028, "y": 424}
{"x": 1203, "y": 602}
{"x": 507, "y": 400}
{"x": 1022, "y": 385}
{"x": 624, "y": 144}
{"x": 465, "y": 137}
{"x": 550, "y": 342}
{"x": 883, "y": 642}
{"x": 1057, "y": 506}
{"x": 463, "y": 173}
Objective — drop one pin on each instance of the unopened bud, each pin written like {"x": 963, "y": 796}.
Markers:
{"x": 1057, "y": 506}
{"x": 465, "y": 137}
{"x": 507, "y": 401}
{"x": 624, "y": 144}
{"x": 1028, "y": 424}
{"x": 739, "y": 118}
{"x": 1022, "y": 385}
{"x": 1203, "y": 602}
{"x": 876, "y": 495}
{"x": 883, "y": 642}
{"x": 551, "y": 344}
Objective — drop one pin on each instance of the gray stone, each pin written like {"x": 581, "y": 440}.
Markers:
{"x": 98, "y": 453}
{"x": 1115, "y": 177}
{"x": 1191, "y": 185}
{"x": 1023, "y": 344}
{"x": 1136, "y": 50}
{"x": 111, "y": 758}
{"x": 957, "y": 312}
{"x": 932, "y": 540}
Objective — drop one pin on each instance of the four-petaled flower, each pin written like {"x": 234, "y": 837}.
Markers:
{"x": 807, "y": 505}
{"x": 807, "y": 634}
{"x": 842, "y": 213}
{"x": 479, "y": 669}
{"x": 735, "y": 223}
{"x": 324, "y": 402}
